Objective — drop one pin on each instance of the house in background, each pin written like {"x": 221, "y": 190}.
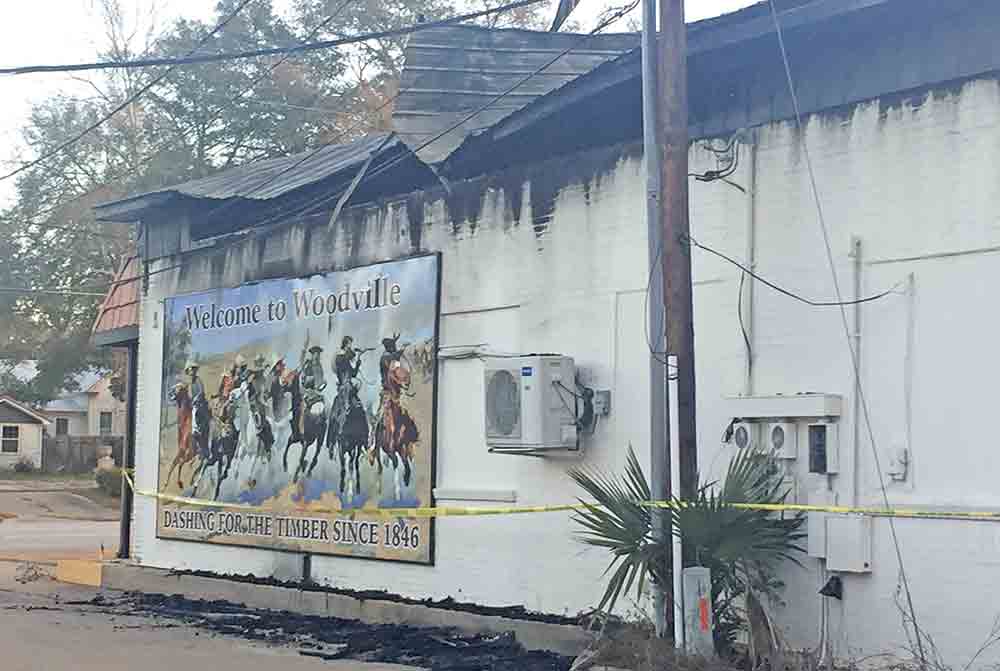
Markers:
{"x": 92, "y": 410}
{"x": 21, "y": 430}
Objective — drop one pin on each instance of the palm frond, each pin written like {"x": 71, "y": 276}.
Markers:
{"x": 742, "y": 547}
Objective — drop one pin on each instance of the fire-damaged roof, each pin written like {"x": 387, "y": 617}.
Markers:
{"x": 260, "y": 180}
{"x": 453, "y": 71}
{"x": 842, "y": 52}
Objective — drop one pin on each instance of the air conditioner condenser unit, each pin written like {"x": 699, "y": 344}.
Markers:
{"x": 530, "y": 403}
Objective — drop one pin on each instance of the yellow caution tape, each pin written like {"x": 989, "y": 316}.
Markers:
{"x": 461, "y": 511}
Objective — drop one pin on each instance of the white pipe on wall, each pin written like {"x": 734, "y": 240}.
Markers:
{"x": 675, "y": 487}
{"x": 751, "y": 261}
{"x": 856, "y": 411}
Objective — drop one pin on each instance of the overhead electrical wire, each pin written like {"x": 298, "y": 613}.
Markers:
{"x": 307, "y": 208}
{"x": 229, "y": 103}
{"x": 125, "y": 103}
{"x": 856, "y": 365}
{"x": 191, "y": 58}
{"x": 53, "y": 292}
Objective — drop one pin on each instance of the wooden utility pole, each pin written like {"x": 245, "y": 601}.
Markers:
{"x": 676, "y": 257}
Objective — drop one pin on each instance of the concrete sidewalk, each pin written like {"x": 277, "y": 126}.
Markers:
{"x": 53, "y": 539}
{"x": 47, "y": 626}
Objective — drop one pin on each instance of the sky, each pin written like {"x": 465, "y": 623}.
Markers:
{"x": 71, "y": 31}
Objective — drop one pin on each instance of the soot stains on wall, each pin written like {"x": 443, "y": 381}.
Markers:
{"x": 395, "y": 228}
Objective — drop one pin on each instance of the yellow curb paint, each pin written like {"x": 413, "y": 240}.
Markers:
{"x": 79, "y": 572}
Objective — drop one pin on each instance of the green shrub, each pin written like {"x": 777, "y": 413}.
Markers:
{"x": 743, "y": 548}
{"x": 110, "y": 481}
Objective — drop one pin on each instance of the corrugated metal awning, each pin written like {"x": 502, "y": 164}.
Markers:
{"x": 117, "y": 320}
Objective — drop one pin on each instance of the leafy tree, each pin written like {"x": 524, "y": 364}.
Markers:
{"x": 196, "y": 121}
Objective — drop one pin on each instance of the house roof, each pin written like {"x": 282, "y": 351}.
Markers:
{"x": 256, "y": 181}
{"x": 23, "y": 409}
{"x": 118, "y": 318}
{"x": 73, "y": 401}
{"x": 452, "y": 71}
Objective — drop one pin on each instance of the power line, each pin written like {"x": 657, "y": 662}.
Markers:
{"x": 821, "y": 219}
{"x": 308, "y": 207}
{"x": 51, "y": 292}
{"x": 787, "y": 292}
{"x": 128, "y": 101}
{"x": 192, "y": 59}
{"x": 170, "y": 144}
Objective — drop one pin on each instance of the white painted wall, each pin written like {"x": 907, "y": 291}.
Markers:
{"x": 577, "y": 289}
{"x": 919, "y": 184}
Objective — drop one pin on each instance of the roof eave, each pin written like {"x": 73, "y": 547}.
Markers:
{"x": 624, "y": 68}
{"x": 133, "y": 209}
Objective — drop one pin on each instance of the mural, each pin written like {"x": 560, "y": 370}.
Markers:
{"x": 293, "y": 408}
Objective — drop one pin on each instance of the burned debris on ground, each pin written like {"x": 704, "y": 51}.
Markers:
{"x": 439, "y": 649}
{"x": 513, "y": 612}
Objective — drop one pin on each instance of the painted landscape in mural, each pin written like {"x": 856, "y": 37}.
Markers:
{"x": 294, "y": 408}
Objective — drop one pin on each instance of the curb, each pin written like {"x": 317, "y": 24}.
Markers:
{"x": 568, "y": 640}
{"x": 80, "y": 572}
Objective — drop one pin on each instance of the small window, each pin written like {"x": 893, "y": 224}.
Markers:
{"x": 62, "y": 426}
{"x": 105, "y": 423}
{"x": 11, "y": 440}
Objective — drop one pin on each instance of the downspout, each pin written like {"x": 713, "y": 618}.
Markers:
{"x": 856, "y": 411}
{"x": 128, "y": 454}
{"x": 751, "y": 261}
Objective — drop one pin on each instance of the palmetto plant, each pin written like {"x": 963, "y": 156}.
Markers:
{"x": 742, "y": 547}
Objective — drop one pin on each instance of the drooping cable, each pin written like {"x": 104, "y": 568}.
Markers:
{"x": 192, "y": 58}
{"x": 125, "y": 103}
{"x": 787, "y": 292}
{"x": 821, "y": 219}
{"x": 318, "y": 202}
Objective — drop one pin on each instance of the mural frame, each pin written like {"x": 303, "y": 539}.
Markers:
{"x": 431, "y": 559}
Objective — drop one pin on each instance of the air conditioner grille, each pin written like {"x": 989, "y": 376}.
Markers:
{"x": 503, "y": 404}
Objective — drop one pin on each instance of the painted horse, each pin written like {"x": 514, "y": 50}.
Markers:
{"x": 186, "y": 452}
{"x": 352, "y": 438}
{"x": 222, "y": 445}
{"x": 396, "y": 432}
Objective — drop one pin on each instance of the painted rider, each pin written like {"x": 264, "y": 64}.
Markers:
{"x": 231, "y": 379}
{"x": 313, "y": 379}
{"x": 285, "y": 381}
{"x": 391, "y": 392}
{"x": 346, "y": 366}
{"x": 255, "y": 384}
{"x": 200, "y": 404}
{"x": 256, "y": 392}
{"x": 390, "y": 356}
